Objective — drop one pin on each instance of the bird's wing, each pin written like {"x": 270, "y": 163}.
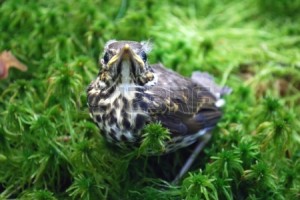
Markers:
{"x": 182, "y": 105}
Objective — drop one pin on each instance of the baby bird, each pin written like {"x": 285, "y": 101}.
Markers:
{"x": 129, "y": 93}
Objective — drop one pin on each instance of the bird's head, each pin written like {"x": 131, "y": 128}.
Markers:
{"x": 125, "y": 62}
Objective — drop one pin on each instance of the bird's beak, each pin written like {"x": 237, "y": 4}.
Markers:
{"x": 126, "y": 53}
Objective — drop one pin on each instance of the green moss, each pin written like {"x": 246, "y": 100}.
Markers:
{"x": 154, "y": 138}
{"x": 50, "y": 149}
{"x": 198, "y": 186}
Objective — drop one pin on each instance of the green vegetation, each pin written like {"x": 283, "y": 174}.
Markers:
{"x": 50, "y": 149}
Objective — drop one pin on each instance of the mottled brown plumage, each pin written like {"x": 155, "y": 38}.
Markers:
{"x": 128, "y": 93}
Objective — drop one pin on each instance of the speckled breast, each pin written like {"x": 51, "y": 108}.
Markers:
{"x": 120, "y": 112}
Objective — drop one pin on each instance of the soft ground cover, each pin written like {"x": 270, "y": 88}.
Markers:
{"x": 50, "y": 149}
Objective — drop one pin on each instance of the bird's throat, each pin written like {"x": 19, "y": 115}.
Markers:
{"x": 126, "y": 72}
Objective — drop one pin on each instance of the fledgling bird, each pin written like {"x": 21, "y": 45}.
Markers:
{"x": 129, "y": 93}
{"x": 7, "y": 60}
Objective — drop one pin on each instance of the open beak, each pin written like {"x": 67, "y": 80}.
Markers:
{"x": 126, "y": 53}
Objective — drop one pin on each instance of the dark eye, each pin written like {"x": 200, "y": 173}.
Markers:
{"x": 106, "y": 58}
{"x": 144, "y": 56}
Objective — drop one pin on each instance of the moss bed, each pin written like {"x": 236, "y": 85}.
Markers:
{"x": 50, "y": 149}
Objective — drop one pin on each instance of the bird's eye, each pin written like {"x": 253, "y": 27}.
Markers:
{"x": 106, "y": 58}
{"x": 144, "y": 56}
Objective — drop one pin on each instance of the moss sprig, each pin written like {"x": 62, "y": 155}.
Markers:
{"x": 154, "y": 138}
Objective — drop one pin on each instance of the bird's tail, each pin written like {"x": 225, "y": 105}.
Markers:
{"x": 207, "y": 81}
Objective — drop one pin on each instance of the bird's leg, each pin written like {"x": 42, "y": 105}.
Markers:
{"x": 193, "y": 156}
